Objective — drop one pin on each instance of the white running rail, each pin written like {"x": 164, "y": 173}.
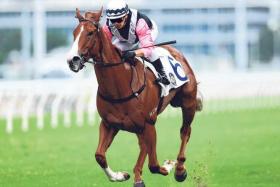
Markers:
{"x": 23, "y": 99}
{"x": 36, "y": 98}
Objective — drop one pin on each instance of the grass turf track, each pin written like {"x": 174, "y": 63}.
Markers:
{"x": 239, "y": 148}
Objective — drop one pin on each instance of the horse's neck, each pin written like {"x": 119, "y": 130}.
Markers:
{"x": 112, "y": 81}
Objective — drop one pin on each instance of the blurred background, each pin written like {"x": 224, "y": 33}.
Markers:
{"x": 214, "y": 35}
{"x": 232, "y": 45}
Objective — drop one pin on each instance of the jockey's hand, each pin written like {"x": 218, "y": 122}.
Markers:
{"x": 128, "y": 56}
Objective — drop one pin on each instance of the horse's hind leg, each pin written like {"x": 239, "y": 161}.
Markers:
{"x": 106, "y": 136}
{"x": 188, "y": 110}
{"x": 180, "y": 172}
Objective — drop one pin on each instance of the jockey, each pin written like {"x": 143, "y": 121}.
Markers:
{"x": 127, "y": 28}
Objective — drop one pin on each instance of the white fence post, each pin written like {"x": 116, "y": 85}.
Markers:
{"x": 26, "y": 107}
{"x": 10, "y": 112}
{"x": 67, "y": 111}
{"x": 55, "y": 110}
{"x": 80, "y": 109}
{"x": 40, "y": 110}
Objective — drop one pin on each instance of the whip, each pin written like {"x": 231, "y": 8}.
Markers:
{"x": 159, "y": 44}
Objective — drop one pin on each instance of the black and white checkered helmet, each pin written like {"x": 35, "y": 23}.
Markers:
{"x": 116, "y": 9}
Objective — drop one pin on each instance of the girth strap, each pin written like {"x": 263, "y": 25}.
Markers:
{"x": 124, "y": 99}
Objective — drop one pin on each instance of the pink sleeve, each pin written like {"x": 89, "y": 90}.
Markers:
{"x": 144, "y": 34}
{"x": 107, "y": 32}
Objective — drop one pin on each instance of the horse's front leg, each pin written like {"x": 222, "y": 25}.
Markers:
{"x": 106, "y": 136}
{"x": 150, "y": 138}
{"x": 138, "y": 182}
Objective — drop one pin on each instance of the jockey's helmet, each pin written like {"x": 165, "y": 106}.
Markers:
{"x": 116, "y": 9}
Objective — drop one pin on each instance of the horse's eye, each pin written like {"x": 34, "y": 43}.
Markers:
{"x": 90, "y": 33}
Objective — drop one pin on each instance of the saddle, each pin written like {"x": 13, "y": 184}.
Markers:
{"x": 171, "y": 66}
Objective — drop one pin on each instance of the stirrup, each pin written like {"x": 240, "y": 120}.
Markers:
{"x": 163, "y": 79}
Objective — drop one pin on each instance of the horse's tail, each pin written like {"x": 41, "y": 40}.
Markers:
{"x": 199, "y": 101}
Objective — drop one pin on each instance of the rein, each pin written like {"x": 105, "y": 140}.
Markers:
{"x": 107, "y": 65}
{"x": 100, "y": 63}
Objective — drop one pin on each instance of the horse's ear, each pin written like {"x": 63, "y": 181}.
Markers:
{"x": 94, "y": 16}
{"x": 100, "y": 13}
{"x": 78, "y": 15}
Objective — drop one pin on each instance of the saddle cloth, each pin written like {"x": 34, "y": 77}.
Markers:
{"x": 172, "y": 68}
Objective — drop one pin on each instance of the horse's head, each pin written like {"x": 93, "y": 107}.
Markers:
{"x": 86, "y": 40}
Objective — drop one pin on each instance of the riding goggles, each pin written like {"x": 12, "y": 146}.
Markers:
{"x": 119, "y": 20}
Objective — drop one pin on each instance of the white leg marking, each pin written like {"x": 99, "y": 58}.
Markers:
{"x": 115, "y": 176}
{"x": 169, "y": 165}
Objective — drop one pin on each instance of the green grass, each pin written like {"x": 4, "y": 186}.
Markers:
{"x": 239, "y": 148}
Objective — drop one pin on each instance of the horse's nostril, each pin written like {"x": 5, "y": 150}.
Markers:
{"x": 76, "y": 59}
{"x": 75, "y": 64}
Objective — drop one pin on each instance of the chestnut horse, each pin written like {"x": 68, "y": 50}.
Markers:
{"x": 129, "y": 98}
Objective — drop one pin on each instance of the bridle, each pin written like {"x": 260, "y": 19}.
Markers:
{"x": 86, "y": 56}
{"x": 100, "y": 63}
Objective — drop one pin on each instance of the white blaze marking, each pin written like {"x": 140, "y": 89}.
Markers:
{"x": 75, "y": 47}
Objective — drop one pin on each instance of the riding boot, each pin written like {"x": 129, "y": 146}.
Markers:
{"x": 162, "y": 75}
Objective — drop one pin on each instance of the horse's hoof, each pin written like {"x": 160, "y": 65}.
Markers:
{"x": 119, "y": 177}
{"x": 126, "y": 176}
{"x": 139, "y": 184}
{"x": 181, "y": 178}
{"x": 163, "y": 171}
